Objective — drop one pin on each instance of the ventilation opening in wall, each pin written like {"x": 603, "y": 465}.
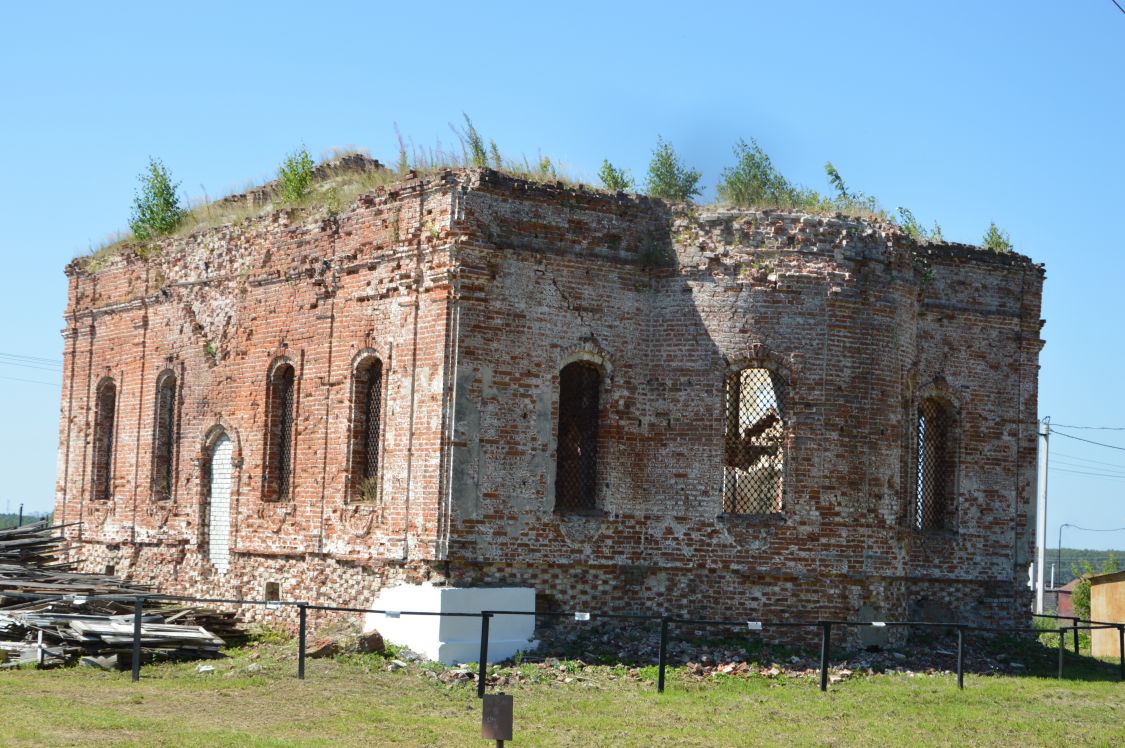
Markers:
{"x": 273, "y": 592}
{"x": 110, "y": 570}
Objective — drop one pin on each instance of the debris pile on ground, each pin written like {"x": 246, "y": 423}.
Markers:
{"x": 638, "y": 644}
{"x": 344, "y": 637}
{"x": 30, "y": 546}
{"x": 50, "y": 614}
{"x": 54, "y": 633}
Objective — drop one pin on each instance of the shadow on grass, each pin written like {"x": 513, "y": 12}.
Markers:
{"x": 1042, "y": 659}
{"x": 920, "y": 649}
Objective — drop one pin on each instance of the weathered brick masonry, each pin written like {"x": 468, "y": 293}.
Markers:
{"x": 474, "y": 290}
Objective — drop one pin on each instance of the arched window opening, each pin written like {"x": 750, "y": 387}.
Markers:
{"x": 105, "y": 407}
{"x": 367, "y": 417}
{"x": 754, "y": 462}
{"x": 164, "y": 437}
{"x": 576, "y": 469}
{"x": 279, "y": 433}
{"x": 934, "y": 504}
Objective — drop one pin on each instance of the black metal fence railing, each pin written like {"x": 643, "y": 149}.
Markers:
{"x": 666, "y": 628}
{"x": 1074, "y": 627}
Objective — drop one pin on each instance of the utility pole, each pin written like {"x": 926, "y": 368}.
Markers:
{"x": 1041, "y": 512}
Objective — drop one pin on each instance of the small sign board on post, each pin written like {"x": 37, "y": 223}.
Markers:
{"x": 496, "y": 718}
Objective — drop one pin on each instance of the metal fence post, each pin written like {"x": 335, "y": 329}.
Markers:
{"x": 482, "y": 668}
{"x": 1121, "y": 648}
{"x": 826, "y": 635}
{"x": 138, "y": 615}
{"x": 960, "y": 657}
{"x": 1074, "y": 622}
{"x": 663, "y": 662}
{"x": 303, "y": 610}
{"x": 1062, "y": 649}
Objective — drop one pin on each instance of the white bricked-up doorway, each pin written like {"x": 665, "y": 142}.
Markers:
{"x": 218, "y": 525}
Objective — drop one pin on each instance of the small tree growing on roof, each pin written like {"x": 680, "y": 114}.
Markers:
{"x": 997, "y": 240}
{"x": 754, "y": 180}
{"x": 295, "y": 175}
{"x": 614, "y": 179}
{"x": 668, "y": 178}
{"x": 156, "y": 206}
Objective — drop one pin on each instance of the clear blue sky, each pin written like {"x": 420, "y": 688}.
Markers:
{"x": 964, "y": 111}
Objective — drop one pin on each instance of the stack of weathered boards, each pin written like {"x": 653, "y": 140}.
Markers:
{"x": 50, "y": 614}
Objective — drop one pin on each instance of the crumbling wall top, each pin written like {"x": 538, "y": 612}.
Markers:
{"x": 511, "y": 212}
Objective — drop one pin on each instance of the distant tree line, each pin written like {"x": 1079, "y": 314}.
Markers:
{"x": 12, "y": 519}
{"x": 1075, "y": 562}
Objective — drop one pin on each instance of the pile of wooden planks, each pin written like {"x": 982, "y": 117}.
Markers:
{"x": 50, "y": 614}
{"x": 31, "y": 545}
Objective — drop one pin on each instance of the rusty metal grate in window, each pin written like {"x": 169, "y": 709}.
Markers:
{"x": 105, "y": 406}
{"x": 576, "y": 468}
{"x": 755, "y": 454}
{"x": 371, "y": 427}
{"x": 933, "y": 499}
{"x": 164, "y": 437}
{"x": 367, "y": 422}
{"x": 280, "y": 465}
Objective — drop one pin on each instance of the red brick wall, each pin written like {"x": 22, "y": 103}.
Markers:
{"x": 219, "y": 307}
{"x": 474, "y": 290}
{"x": 859, "y": 325}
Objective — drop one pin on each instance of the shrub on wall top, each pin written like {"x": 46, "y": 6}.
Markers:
{"x": 156, "y": 206}
{"x": 295, "y": 176}
{"x": 668, "y": 178}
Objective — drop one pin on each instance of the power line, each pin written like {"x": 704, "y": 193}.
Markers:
{"x": 1088, "y": 441}
{"x": 1100, "y": 467}
{"x": 1094, "y": 529}
{"x": 1091, "y": 428}
{"x": 32, "y": 381}
{"x": 1103, "y": 476}
{"x": 1094, "y": 470}
{"x": 1118, "y": 5}
{"x": 1104, "y": 467}
{"x": 1087, "y": 459}
{"x": 31, "y": 366}
{"x": 33, "y": 359}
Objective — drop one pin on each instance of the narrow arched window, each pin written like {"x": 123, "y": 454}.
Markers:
{"x": 576, "y": 468}
{"x": 936, "y": 461}
{"x": 105, "y": 408}
{"x": 367, "y": 418}
{"x": 279, "y": 433}
{"x": 754, "y": 460}
{"x": 164, "y": 436}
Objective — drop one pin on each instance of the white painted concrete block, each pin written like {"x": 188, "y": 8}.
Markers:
{"x": 453, "y": 640}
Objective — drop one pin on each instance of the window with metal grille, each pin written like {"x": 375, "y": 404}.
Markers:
{"x": 576, "y": 463}
{"x": 164, "y": 436}
{"x": 753, "y": 466}
{"x": 279, "y": 433}
{"x": 934, "y": 505}
{"x": 367, "y": 411}
{"x": 105, "y": 407}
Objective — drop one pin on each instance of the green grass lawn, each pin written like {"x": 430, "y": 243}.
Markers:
{"x": 254, "y": 699}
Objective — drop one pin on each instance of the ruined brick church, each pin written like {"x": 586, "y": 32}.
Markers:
{"x": 474, "y": 380}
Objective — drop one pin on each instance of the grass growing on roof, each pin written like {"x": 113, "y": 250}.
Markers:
{"x": 298, "y": 189}
{"x": 752, "y": 182}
